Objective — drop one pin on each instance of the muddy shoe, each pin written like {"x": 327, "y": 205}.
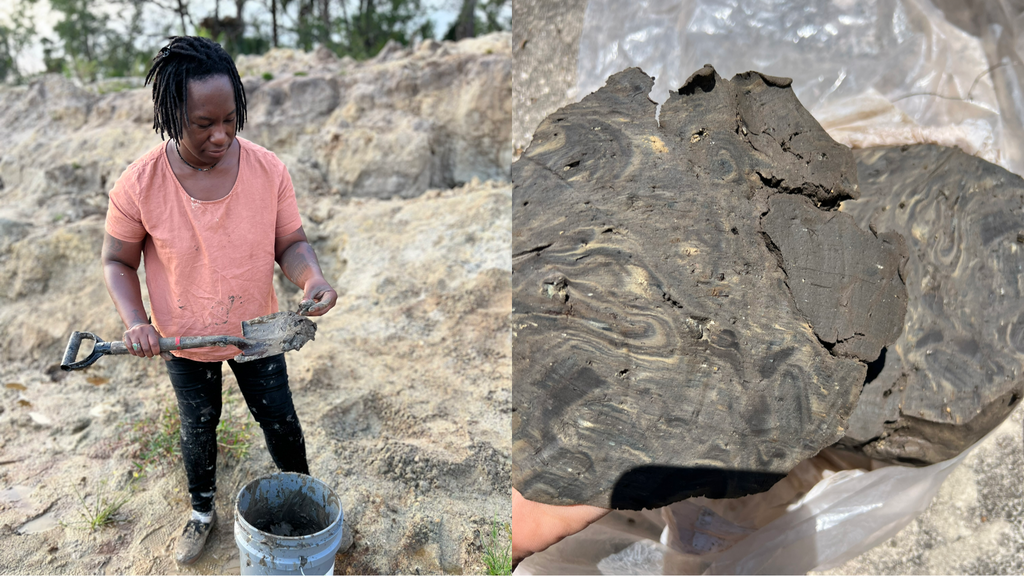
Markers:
{"x": 193, "y": 538}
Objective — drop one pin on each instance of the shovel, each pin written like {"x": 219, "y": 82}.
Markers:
{"x": 261, "y": 337}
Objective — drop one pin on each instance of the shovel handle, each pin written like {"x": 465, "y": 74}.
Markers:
{"x": 71, "y": 352}
{"x": 186, "y": 342}
{"x": 101, "y": 347}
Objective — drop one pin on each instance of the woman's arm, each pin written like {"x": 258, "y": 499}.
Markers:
{"x": 120, "y": 273}
{"x": 299, "y": 264}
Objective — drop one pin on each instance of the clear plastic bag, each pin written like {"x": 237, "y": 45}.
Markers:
{"x": 959, "y": 77}
{"x": 828, "y": 510}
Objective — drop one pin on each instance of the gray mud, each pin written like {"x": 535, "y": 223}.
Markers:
{"x": 297, "y": 515}
{"x": 280, "y": 332}
{"x": 676, "y": 267}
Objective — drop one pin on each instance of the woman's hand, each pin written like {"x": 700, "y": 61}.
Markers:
{"x": 142, "y": 340}
{"x": 317, "y": 298}
{"x": 537, "y": 526}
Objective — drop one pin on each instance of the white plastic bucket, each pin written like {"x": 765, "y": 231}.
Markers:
{"x": 287, "y": 523}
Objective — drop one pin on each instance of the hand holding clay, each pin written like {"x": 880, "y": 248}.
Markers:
{"x": 317, "y": 298}
{"x": 536, "y": 526}
{"x": 142, "y": 340}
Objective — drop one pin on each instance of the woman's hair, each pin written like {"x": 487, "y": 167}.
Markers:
{"x": 184, "y": 59}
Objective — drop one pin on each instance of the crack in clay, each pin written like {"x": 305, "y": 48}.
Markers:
{"x": 668, "y": 298}
{"x": 774, "y": 250}
{"x": 548, "y": 169}
{"x": 536, "y": 249}
{"x": 769, "y": 181}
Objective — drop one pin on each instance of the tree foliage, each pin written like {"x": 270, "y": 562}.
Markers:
{"x": 112, "y": 38}
{"x": 89, "y": 47}
{"x": 13, "y": 39}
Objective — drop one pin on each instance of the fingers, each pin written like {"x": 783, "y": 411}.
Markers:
{"x": 320, "y": 304}
{"x": 142, "y": 340}
{"x": 536, "y": 526}
{"x": 152, "y": 344}
{"x": 131, "y": 343}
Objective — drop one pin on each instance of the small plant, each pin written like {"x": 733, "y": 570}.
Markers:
{"x": 156, "y": 440}
{"x": 301, "y": 73}
{"x": 497, "y": 557}
{"x": 268, "y": 76}
{"x": 104, "y": 507}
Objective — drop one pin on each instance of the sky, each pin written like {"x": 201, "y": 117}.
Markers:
{"x": 441, "y": 12}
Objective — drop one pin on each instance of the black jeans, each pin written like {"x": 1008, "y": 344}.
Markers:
{"x": 264, "y": 385}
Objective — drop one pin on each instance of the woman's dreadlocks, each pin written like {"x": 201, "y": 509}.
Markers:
{"x": 184, "y": 59}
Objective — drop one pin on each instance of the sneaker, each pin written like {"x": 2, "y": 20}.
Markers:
{"x": 192, "y": 540}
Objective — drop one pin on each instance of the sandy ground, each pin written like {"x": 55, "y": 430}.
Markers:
{"x": 976, "y": 523}
{"x": 403, "y": 397}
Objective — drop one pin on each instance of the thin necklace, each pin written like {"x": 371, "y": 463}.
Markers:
{"x": 191, "y": 166}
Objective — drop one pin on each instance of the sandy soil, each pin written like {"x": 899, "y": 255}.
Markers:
{"x": 403, "y": 397}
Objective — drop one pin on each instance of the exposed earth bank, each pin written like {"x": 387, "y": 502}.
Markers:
{"x": 400, "y": 166}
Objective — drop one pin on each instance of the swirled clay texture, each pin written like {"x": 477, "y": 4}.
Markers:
{"x": 956, "y": 371}
{"x": 691, "y": 315}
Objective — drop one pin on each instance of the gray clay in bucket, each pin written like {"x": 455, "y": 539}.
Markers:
{"x": 287, "y": 523}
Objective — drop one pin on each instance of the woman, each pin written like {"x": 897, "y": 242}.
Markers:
{"x": 211, "y": 213}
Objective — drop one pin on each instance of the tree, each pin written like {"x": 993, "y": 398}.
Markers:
{"x": 373, "y": 25}
{"x": 120, "y": 51}
{"x": 91, "y": 47}
{"x": 14, "y": 39}
{"x": 492, "y": 22}
{"x": 80, "y": 31}
{"x": 8, "y": 66}
{"x": 464, "y": 26}
{"x": 469, "y": 22}
{"x": 273, "y": 20}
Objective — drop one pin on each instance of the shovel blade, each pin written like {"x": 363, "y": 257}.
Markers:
{"x": 275, "y": 334}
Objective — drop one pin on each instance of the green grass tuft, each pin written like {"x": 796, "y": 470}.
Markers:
{"x": 103, "y": 509}
{"x": 268, "y": 76}
{"x": 157, "y": 441}
{"x": 234, "y": 432}
{"x": 498, "y": 556}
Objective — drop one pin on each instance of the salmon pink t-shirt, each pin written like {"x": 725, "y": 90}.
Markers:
{"x": 209, "y": 265}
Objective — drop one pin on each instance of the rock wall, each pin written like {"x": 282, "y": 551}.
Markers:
{"x": 435, "y": 116}
{"x": 401, "y": 169}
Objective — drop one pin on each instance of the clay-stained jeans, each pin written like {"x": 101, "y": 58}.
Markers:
{"x": 264, "y": 385}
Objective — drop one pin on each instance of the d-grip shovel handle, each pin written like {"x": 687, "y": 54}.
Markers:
{"x": 166, "y": 345}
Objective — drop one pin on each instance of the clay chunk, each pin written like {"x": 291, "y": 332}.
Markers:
{"x": 957, "y": 370}
{"x": 692, "y": 315}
